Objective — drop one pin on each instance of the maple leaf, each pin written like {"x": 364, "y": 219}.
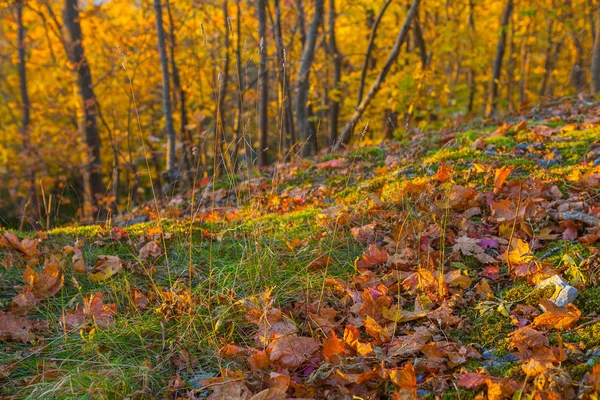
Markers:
{"x": 351, "y": 337}
{"x": 528, "y": 338}
{"x": 270, "y": 394}
{"x": 372, "y": 257}
{"x": 409, "y": 345}
{"x": 333, "y": 346}
{"x": 444, "y": 173}
{"x": 105, "y": 267}
{"x": 93, "y": 310}
{"x": 40, "y": 286}
{"x": 27, "y": 248}
{"x": 406, "y": 380}
{"x": 292, "y": 351}
{"x": 557, "y": 317}
{"x": 518, "y": 253}
{"x": 321, "y": 262}
{"x": 376, "y": 331}
{"x": 471, "y": 247}
{"x": 500, "y": 176}
{"x": 150, "y": 249}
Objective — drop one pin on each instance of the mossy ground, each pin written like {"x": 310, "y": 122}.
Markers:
{"x": 233, "y": 260}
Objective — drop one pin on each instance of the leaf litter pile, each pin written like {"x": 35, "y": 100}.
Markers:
{"x": 454, "y": 264}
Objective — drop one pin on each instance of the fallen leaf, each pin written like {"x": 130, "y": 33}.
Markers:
{"x": 150, "y": 249}
{"x": 15, "y": 328}
{"x": 557, "y": 317}
{"x": 292, "y": 351}
{"x": 105, "y": 267}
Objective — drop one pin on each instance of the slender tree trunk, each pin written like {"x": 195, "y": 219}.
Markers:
{"x": 493, "y": 95}
{"x": 472, "y": 73}
{"x": 334, "y": 103}
{"x": 595, "y": 71}
{"x": 221, "y": 153}
{"x": 179, "y": 96}
{"x": 263, "y": 88}
{"x": 302, "y": 84}
{"x": 420, "y": 43}
{"x": 380, "y": 79}
{"x": 368, "y": 54}
{"x": 525, "y": 63}
{"x": 93, "y": 186}
{"x": 171, "y": 172}
{"x": 284, "y": 84}
{"x": 239, "y": 126}
{"x": 26, "y": 117}
{"x": 548, "y": 58}
{"x": 510, "y": 69}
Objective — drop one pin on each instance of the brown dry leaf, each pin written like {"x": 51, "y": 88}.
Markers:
{"x": 15, "y": 328}
{"x": 500, "y": 176}
{"x": 270, "y": 394}
{"x": 150, "y": 249}
{"x": 40, "y": 286}
{"x": 93, "y": 310}
{"x": 230, "y": 390}
{"x": 557, "y": 317}
{"x": 444, "y": 315}
{"x": 6, "y": 369}
{"x": 292, "y": 351}
{"x": 406, "y": 379}
{"x": 78, "y": 262}
{"x": 105, "y": 267}
{"x": 321, "y": 262}
{"x": 325, "y": 319}
{"x": 528, "y": 338}
{"x": 27, "y": 248}
{"x": 372, "y": 257}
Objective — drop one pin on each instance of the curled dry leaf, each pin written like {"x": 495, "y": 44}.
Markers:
{"x": 40, "y": 286}
{"x": 372, "y": 257}
{"x": 105, "y": 267}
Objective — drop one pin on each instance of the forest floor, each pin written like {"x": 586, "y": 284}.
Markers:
{"x": 410, "y": 269}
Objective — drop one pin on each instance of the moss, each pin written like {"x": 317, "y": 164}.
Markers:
{"x": 588, "y": 300}
{"x": 529, "y": 295}
{"x": 589, "y": 335}
{"x": 578, "y": 371}
{"x": 510, "y": 370}
{"x": 500, "y": 141}
{"x": 448, "y": 154}
{"x": 489, "y": 330}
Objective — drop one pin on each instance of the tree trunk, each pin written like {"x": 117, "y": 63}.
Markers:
{"x": 368, "y": 54}
{"x": 186, "y": 140}
{"x": 284, "y": 85}
{"x": 382, "y": 74}
{"x": 472, "y": 73}
{"x": 221, "y": 153}
{"x": 525, "y": 63}
{"x": 263, "y": 89}
{"x": 493, "y": 95}
{"x": 595, "y": 71}
{"x": 334, "y": 103}
{"x": 88, "y": 126}
{"x": 26, "y": 118}
{"x": 171, "y": 172}
{"x": 548, "y": 59}
{"x": 302, "y": 84}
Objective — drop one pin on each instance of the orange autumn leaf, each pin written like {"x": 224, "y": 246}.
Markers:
{"x": 406, "y": 380}
{"x": 93, "y": 310}
{"x": 557, "y": 317}
{"x": 376, "y": 331}
{"x": 500, "y": 176}
{"x": 150, "y": 249}
{"x": 333, "y": 346}
{"x": 518, "y": 253}
{"x": 351, "y": 337}
{"x": 444, "y": 173}
{"x": 259, "y": 361}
